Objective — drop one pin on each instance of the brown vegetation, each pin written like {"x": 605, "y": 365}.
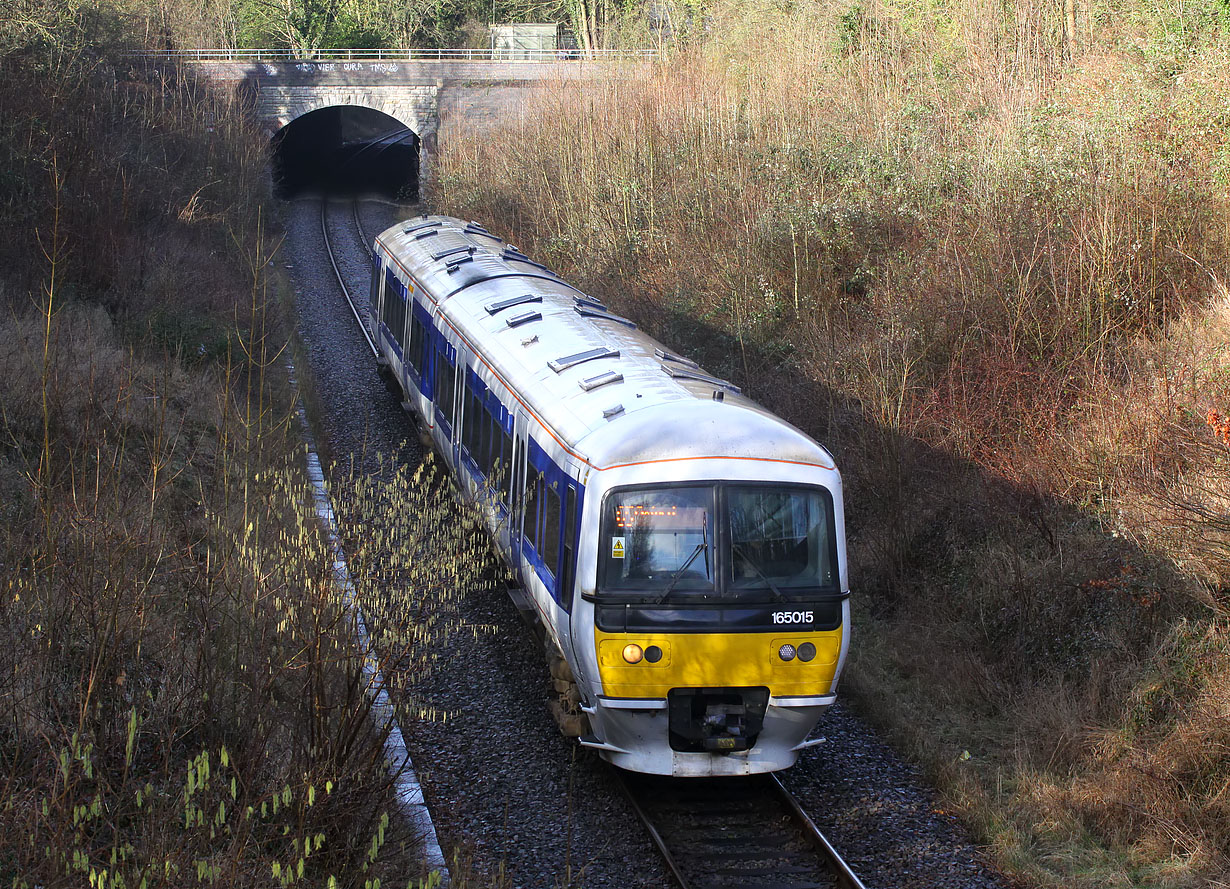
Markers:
{"x": 981, "y": 254}
{"x": 182, "y": 701}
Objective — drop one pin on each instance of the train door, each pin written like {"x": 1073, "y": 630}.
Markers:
{"x": 516, "y": 494}
{"x": 444, "y": 391}
{"x": 371, "y": 319}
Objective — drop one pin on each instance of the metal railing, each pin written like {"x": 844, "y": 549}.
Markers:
{"x": 399, "y": 55}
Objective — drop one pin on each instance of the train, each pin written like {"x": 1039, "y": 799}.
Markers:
{"x": 680, "y": 548}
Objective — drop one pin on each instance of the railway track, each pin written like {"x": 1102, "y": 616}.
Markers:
{"x": 337, "y": 271}
{"x": 722, "y": 833}
{"x": 357, "y": 307}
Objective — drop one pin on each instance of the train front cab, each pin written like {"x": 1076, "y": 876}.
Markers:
{"x": 719, "y": 613}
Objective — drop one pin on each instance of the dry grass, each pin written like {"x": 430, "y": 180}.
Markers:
{"x": 182, "y": 701}
{"x": 985, "y": 263}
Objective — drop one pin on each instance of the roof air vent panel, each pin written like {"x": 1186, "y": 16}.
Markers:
{"x": 587, "y": 312}
{"x": 671, "y": 356}
{"x": 603, "y": 379}
{"x": 524, "y": 318}
{"x": 521, "y": 300}
{"x": 684, "y": 373}
{"x": 561, "y": 364}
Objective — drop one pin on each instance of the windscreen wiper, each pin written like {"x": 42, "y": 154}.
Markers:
{"x": 703, "y": 546}
{"x": 739, "y": 551}
{"x": 700, "y": 547}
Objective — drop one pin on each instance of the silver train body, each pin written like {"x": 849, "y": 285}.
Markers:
{"x": 682, "y": 548}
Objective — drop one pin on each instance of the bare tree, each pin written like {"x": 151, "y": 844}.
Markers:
{"x": 301, "y": 25}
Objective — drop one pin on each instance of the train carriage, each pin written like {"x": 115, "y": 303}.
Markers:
{"x": 682, "y": 548}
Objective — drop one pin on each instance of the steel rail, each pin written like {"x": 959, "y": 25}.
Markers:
{"x": 846, "y": 878}
{"x": 324, "y": 230}
{"x": 648, "y": 824}
{"x": 830, "y": 860}
{"x": 358, "y": 223}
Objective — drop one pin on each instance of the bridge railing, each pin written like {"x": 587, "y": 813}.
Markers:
{"x": 398, "y": 55}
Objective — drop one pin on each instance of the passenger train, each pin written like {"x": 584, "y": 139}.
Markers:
{"x": 682, "y": 548}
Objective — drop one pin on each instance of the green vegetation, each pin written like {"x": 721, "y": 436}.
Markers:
{"x": 981, "y": 252}
{"x": 181, "y": 694}
{"x": 307, "y": 25}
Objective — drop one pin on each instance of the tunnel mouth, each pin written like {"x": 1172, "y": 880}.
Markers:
{"x": 344, "y": 149}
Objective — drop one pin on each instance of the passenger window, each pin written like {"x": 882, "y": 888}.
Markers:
{"x": 531, "y": 508}
{"x": 481, "y": 421}
{"x": 518, "y": 474}
{"x": 395, "y": 308}
{"x": 445, "y": 381}
{"x": 550, "y": 529}
{"x": 468, "y": 421}
{"x": 505, "y": 471}
{"x": 374, "y": 289}
{"x": 570, "y": 542}
{"x": 391, "y": 296}
{"x": 418, "y": 343}
{"x": 488, "y": 445}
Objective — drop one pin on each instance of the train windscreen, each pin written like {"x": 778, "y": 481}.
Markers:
{"x": 659, "y": 537}
{"x": 779, "y": 539}
{"x": 729, "y": 541}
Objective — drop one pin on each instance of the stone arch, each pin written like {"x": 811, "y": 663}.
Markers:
{"x": 416, "y": 108}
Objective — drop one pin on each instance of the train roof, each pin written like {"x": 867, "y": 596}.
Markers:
{"x": 609, "y": 393}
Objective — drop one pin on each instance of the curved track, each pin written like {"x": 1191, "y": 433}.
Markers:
{"x": 721, "y": 833}
{"x": 341, "y": 281}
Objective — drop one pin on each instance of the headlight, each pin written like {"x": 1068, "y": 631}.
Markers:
{"x": 633, "y": 653}
{"x": 807, "y": 651}
{"x": 786, "y": 652}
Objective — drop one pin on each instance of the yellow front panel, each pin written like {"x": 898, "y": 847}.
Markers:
{"x": 692, "y": 660}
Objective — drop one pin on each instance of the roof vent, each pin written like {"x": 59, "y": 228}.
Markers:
{"x": 452, "y": 251}
{"x": 431, "y": 223}
{"x": 684, "y": 373}
{"x": 613, "y": 411}
{"x": 603, "y": 379}
{"x": 671, "y": 356}
{"x": 561, "y": 364}
{"x": 513, "y": 301}
{"x": 512, "y": 254}
{"x": 587, "y": 312}
{"x": 524, "y": 318}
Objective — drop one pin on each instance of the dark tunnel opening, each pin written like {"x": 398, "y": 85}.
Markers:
{"x": 346, "y": 150}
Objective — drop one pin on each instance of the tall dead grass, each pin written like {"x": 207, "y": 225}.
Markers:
{"x": 980, "y": 253}
{"x": 182, "y": 698}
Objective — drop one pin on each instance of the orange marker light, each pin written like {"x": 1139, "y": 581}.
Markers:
{"x": 633, "y": 653}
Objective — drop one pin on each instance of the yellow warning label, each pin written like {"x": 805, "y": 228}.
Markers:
{"x": 617, "y": 547}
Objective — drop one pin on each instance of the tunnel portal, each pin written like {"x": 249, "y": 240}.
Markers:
{"x": 348, "y": 150}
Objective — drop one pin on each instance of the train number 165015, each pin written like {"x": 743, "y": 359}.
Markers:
{"x": 793, "y": 617}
